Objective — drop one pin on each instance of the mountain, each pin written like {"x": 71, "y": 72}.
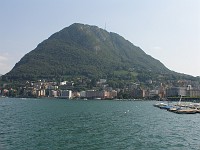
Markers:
{"x": 84, "y": 50}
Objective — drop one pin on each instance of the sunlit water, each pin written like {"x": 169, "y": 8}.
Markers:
{"x": 40, "y": 124}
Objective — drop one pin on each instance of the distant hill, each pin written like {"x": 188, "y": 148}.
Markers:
{"x": 84, "y": 50}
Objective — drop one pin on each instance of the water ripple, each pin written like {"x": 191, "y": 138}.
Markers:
{"x": 61, "y": 124}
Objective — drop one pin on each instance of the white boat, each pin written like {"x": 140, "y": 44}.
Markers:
{"x": 159, "y": 104}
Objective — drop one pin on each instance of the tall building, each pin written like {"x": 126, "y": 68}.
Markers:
{"x": 176, "y": 91}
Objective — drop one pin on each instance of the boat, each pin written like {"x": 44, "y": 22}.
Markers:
{"x": 198, "y": 110}
{"x": 159, "y": 105}
{"x": 182, "y": 108}
{"x": 194, "y": 105}
{"x": 186, "y": 111}
{"x": 174, "y": 108}
{"x": 167, "y": 107}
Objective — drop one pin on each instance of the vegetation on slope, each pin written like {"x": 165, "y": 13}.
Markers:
{"x": 88, "y": 51}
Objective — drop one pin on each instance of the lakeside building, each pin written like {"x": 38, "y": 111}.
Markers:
{"x": 41, "y": 93}
{"x": 176, "y": 91}
{"x": 138, "y": 93}
{"x": 111, "y": 94}
{"x": 193, "y": 93}
{"x": 161, "y": 91}
{"x": 184, "y": 91}
{"x": 54, "y": 93}
{"x": 66, "y": 94}
{"x": 83, "y": 94}
{"x": 52, "y": 87}
{"x": 92, "y": 94}
{"x": 75, "y": 94}
{"x": 153, "y": 93}
{"x": 101, "y": 90}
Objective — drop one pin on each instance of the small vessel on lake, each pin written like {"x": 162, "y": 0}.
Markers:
{"x": 174, "y": 108}
{"x": 186, "y": 111}
{"x": 167, "y": 107}
{"x": 159, "y": 105}
{"x": 180, "y": 108}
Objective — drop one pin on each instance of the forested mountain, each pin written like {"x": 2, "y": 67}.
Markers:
{"x": 87, "y": 51}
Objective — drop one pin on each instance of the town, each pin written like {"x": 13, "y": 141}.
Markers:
{"x": 100, "y": 89}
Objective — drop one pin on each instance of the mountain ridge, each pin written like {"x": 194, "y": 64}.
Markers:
{"x": 84, "y": 50}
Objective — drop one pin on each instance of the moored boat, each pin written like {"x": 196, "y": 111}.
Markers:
{"x": 167, "y": 107}
{"x": 186, "y": 111}
{"x": 174, "y": 108}
{"x": 159, "y": 105}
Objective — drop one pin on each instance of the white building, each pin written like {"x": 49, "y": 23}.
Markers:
{"x": 63, "y": 83}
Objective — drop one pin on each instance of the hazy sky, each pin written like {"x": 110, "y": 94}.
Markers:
{"x": 168, "y": 30}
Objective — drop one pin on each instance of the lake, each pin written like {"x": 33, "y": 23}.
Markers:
{"x": 41, "y": 124}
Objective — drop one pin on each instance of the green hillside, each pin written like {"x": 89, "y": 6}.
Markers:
{"x": 86, "y": 51}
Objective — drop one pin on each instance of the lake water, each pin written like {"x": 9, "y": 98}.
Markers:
{"x": 41, "y": 124}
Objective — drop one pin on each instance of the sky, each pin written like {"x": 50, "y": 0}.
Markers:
{"x": 168, "y": 30}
